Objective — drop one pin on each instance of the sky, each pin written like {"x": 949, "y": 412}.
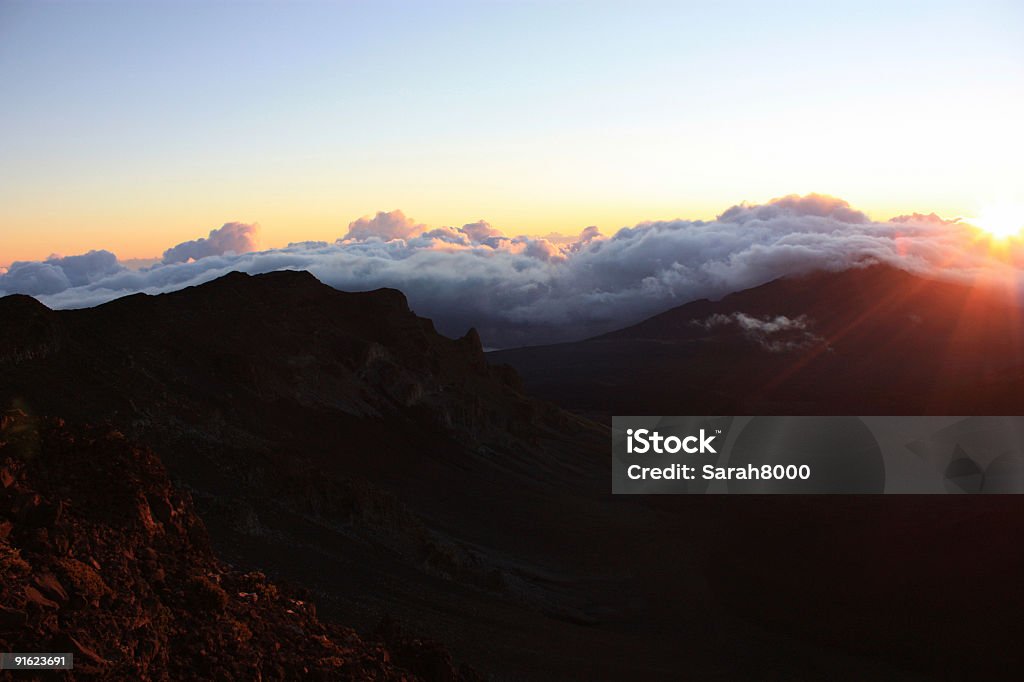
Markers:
{"x": 135, "y": 126}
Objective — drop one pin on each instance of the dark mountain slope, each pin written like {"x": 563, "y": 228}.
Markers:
{"x": 102, "y": 557}
{"x": 282, "y": 363}
{"x": 336, "y": 441}
{"x": 926, "y": 581}
{"x": 863, "y": 341}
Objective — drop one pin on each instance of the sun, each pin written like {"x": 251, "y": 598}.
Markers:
{"x": 1001, "y": 221}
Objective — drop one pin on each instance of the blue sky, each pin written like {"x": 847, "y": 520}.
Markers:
{"x": 133, "y": 126}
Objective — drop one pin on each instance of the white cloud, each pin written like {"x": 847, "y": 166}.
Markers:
{"x": 231, "y": 238}
{"x": 58, "y": 273}
{"x": 386, "y": 226}
{"x": 519, "y": 290}
{"x": 819, "y": 205}
{"x": 776, "y": 334}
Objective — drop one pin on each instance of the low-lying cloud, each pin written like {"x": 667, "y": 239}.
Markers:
{"x": 526, "y": 290}
{"x": 57, "y": 274}
{"x": 776, "y": 334}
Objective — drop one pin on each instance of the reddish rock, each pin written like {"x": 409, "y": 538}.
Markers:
{"x": 134, "y": 604}
{"x": 34, "y": 596}
{"x": 48, "y": 584}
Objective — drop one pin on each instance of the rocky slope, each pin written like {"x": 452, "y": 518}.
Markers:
{"x": 101, "y": 556}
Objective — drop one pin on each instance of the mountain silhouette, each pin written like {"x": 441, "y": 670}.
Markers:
{"x": 874, "y": 340}
{"x": 335, "y": 442}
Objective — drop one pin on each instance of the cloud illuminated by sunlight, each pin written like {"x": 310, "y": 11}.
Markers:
{"x": 1001, "y": 221}
{"x": 524, "y": 289}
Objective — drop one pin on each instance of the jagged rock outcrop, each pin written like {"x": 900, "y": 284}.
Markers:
{"x": 100, "y": 555}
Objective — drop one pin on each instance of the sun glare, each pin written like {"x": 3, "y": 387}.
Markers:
{"x": 1001, "y": 221}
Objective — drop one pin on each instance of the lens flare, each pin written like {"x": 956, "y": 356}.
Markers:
{"x": 1001, "y": 221}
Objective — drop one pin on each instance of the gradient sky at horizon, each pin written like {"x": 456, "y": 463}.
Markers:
{"x": 132, "y": 126}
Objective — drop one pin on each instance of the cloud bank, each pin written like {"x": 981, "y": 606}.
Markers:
{"x": 57, "y": 274}
{"x": 528, "y": 290}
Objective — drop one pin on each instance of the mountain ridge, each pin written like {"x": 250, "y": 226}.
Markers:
{"x": 873, "y": 340}
{"x": 322, "y": 428}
